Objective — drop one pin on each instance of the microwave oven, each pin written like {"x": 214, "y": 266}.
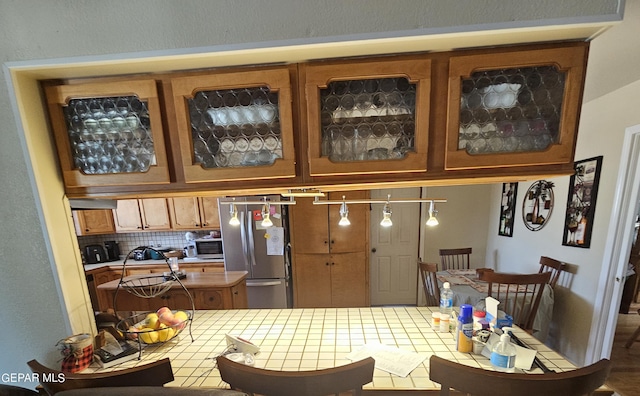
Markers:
{"x": 209, "y": 248}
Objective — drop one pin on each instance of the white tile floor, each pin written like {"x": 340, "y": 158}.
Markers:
{"x": 308, "y": 339}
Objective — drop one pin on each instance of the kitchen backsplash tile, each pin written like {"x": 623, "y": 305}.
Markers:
{"x": 130, "y": 241}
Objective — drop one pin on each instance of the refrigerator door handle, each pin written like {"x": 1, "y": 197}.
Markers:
{"x": 243, "y": 238}
{"x": 250, "y": 240}
{"x": 263, "y": 283}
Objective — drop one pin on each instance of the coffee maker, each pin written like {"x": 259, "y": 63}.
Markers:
{"x": 112, "y": 250}
{"x": 190, "y": 250}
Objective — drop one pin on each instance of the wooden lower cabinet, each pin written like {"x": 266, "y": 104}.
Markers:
{"x": 208, "y": 290}
{"x": 331, "y": 280}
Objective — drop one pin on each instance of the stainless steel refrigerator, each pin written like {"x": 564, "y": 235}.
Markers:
{"x": 263, "y": 252}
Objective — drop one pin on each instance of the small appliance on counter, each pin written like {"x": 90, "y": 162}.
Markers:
{"x": 95, "y": 254}
{"x": 112, "y": 249}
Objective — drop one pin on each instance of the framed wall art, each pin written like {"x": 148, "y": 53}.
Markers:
{"x": 537, "y": 205}
{"x": 507, "y": 208}
{"x": 581, "y": 203}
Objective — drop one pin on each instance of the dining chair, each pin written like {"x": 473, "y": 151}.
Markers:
{"x": 455, "y": 258}
{"x": 547, "y": 264}
{"x": 331, "y": 381}
{"x": 482, "y": 382}
{"x": 430, "y": 283}
{"x": 157, "y": 373}
{"x": 519, "y": 294}
{"x": 12, "y": 390}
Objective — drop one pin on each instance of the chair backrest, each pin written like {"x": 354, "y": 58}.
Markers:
{"x": 481, "y": 382}
{"x": 153, "y": 374}
{"x": 12, "y": 390}
{"x": 430, "y": 283}
{"x": 519, "y": 294}
{"x": 455, "y": 258}
{"x": 332, "y": 381}
{"x": 547, "y": 264}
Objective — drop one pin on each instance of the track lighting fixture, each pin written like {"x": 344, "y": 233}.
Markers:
{"x": 344, "y": 214}
{"x": 266, "y": 214}
{"x": 386, "y": 211}
{"x": 386, "y": 214}
{"x": 433, "y": 220}
{"x": 233, "y": 211}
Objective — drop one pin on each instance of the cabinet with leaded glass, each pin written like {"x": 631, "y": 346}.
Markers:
{"x": 514, "y": 108}
{"x": 235, "y": 125}
{"x": 367, "y": 116}
{"x": 108, "y": 133}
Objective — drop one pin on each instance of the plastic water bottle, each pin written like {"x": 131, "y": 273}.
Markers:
{"x": 446, "y": 299}
{"x": 503, "y": 355}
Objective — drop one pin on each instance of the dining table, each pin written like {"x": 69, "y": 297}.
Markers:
{"x": 317, "y": 338}
{"x": 469, "y": 289}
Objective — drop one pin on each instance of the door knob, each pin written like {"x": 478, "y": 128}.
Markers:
{"x": 373, "y": 250}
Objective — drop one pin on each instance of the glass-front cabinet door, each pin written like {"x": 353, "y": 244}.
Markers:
{"x": 108, "y": 133}
{"x": 367, "y": 117}
{"x": 235, "y": 125}
{"x": 514, "y": 108}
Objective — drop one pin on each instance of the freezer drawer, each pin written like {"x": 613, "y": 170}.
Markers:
{"x": 267, "y": 293}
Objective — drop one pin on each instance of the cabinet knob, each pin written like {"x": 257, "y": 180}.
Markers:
{"x": 211, "y": 298}
{"x": 326, "y": 263}
{"x": 332, "y": 241}
{"x": 326, "y": 242}
{"x": 146, "y": 226}
{"x": 333, "y": 263}
{"x": 373, "y": 250}
{"x": 138, "y": 227}
{"x": 197, "y": 225}
{"x": 205, "y": 224}
{"x": 86, "y": 230}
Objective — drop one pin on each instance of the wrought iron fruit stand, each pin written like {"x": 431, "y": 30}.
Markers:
{"x": 151, "y": 286}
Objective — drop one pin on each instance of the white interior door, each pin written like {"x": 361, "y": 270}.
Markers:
{"x": 394, "y": 250}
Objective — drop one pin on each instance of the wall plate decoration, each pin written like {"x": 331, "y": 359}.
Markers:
{"x": 581, "y": 203}
{"x": 537, "y": 205}
{"x": 507, "y": 209}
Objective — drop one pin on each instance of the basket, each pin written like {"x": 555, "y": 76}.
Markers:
{"x": 77, "y": 351}
{"x": 147, "y": 286}
{"x": 151, "y": 336}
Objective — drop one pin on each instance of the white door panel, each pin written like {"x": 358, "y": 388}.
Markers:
{"x": 394, "y": 250}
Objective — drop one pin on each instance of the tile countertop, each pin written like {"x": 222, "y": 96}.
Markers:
{"x": 308, "y": 339}
{"x": 131, "y": 262}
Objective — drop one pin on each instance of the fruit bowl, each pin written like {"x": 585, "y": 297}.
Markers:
{"x": 148, "y": 329}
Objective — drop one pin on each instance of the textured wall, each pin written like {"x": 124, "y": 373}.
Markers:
{"x": 42, "y": 29}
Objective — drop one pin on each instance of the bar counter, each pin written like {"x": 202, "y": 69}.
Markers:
{"x": 308, "y": 339}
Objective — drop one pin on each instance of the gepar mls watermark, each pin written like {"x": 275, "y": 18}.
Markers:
{"x": 16, "y": 378}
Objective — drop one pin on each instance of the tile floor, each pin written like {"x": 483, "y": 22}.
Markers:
{"x": 307, "y": 339}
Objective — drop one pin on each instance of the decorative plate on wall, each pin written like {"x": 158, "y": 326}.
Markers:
{"x": 537, "y": 205}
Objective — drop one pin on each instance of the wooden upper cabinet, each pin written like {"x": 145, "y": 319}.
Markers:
{"x": 235, "y": 125}
{"x": 514, "y": 108}
{"x": 209, "y": 215}
{"x": 149, "y": 214}
{"x": 108, "y": 134}
{"x": 316, "y": 229}
{"x": 188, "y": 213}
{"x": 184, "y": 213}
{"x": 367, "y": 117}
{"x": 93, "y": 222}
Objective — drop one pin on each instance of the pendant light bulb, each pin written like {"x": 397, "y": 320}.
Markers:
{"x": 233, "y": 211}
{"x": 344, "y": 214}
{"x": 433, "y": 220}
{"x": 266, "y": 214}
{"x": 386, "y": 216}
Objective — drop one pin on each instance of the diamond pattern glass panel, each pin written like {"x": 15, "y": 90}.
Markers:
{"x": 511, "y": 110}
{"x": 370, "y": 119}
{"x": 110, "y": 135}
{"x": 235, "y": 127}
